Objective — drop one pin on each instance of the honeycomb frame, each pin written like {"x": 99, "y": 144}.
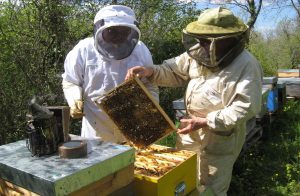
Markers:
{"x": 136, "y": 113}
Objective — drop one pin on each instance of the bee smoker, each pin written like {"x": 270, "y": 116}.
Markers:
{"x": 47, "y": 127}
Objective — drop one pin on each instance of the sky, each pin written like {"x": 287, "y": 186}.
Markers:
{"x": 268, "y": 18}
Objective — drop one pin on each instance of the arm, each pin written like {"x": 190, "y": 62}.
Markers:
{"x": 153, "y": 89}
{"x": 73, "y": 80}
{"x": 173, "y": 72}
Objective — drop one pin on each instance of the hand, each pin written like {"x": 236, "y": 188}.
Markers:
{"x": 188, "y": 125}
{"x": 76, "y": 111}
{"x": 139, "y": 71}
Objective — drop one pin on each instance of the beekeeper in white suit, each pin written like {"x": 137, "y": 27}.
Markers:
{"x": 223, "y": 92}
{"x": 99, "y": 63}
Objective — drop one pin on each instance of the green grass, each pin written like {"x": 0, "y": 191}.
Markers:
{"x": 272, "y": 167}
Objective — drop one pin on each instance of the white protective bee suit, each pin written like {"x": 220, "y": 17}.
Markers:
{"x": 91, "y": 70}
{"x": 226, "y": 97}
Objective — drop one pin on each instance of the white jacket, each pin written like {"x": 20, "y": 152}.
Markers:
{"x": 88, "y": 70}
{"x": 227, "y": 99}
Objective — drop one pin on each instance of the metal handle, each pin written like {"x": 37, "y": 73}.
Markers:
{"x": 180, "y": 189}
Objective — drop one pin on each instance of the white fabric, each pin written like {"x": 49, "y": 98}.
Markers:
{"x": 72, "y": 92}
{"x": 116, "y": 15}
{"x": 109, "y": 22}
{"x": 86, "y": 68}
{"x": 227, "y": 99}
{"x": 119, "y": 12}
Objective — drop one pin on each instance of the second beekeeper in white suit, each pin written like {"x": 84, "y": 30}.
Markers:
{"x": 99, "y": 63}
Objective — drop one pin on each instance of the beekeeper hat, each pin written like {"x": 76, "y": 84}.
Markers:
{"x": 216, "y": 21}
{"x": 116, "y": 15}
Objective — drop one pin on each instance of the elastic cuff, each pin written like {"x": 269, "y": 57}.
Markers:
{"x": 211, "y": 119}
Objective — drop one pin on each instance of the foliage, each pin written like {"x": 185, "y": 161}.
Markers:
{"x": 32, "y": 36}
{"x": 260, "y": 50}
{"x": 277, "y": 50}
{"x": 35, "y": 37}
{"x": 272, "y": 167}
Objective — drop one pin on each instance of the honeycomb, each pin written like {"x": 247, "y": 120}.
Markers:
{"x": 134, "y": 111}
{"x": 156, "y": 161}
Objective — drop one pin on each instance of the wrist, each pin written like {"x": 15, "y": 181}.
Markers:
{"x": 202, "y": 122}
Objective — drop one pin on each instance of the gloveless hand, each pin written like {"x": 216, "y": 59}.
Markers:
{"x": 191, "y": 124}
{"x": 139, "y": 71}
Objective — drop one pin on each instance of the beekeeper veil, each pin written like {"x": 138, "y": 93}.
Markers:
{"x": 116, "y": 32}
{"x": 216, "y": 38}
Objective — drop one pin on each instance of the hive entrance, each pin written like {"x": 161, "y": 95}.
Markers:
{"x": 138, "y": 116}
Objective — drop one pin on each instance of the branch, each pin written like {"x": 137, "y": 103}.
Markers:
{"x": 297, "y": 9}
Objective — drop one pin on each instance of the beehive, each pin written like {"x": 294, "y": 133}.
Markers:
{"x": 289, "y": 73}
{"x": 292, "y": 86}
{"x": 161, "y": 170}
{"x": 106, "y": 168}
{"x": 135, "y": 112}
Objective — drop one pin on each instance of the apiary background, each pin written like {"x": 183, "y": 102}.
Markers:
{"x": 182, "y": 177}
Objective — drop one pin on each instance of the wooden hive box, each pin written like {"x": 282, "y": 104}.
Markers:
{"x": 135, "y": 112}
{"x": 292, "y": 86}
{"x": 270, "y": 81}
{"x": 288, "y": 73}
{"x": 107, "y": 168}
{"x": 179, "y": 177}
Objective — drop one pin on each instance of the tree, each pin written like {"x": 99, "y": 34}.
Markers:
{"x": 296, "y": 5}
{"x": 35, "y": 37}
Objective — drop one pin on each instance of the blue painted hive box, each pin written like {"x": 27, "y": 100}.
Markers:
{"x": 272, "y": 100}
{"x": 52, "y": 175}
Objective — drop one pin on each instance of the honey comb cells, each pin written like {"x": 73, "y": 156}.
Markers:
{"x": 140, "y": 119}
{"x": 157, "y": 160}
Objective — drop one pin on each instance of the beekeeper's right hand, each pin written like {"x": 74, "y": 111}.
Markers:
{"x": 139, "y": 71}
{"x": 73, "y": 95}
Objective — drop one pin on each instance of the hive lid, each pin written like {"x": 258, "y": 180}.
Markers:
{"x": 136, "y": 113}
{"x": 289, "y": 81}
{"x": 288, "y": 70}
{"x": 270, "y": 80}
{"x": 179, "y": 104}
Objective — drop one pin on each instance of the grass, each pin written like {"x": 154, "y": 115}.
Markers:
{"x": 272, "y": 166}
